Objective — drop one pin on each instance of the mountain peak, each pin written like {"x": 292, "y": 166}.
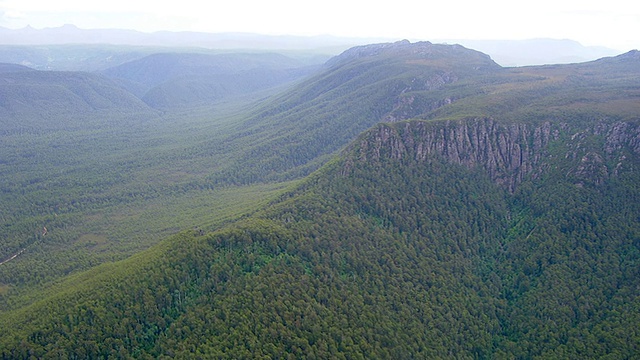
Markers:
{"x": 628, "y": 61}
{"x": 405, "y": 50}
{"x": 67, "y": 27}
{"x": 630, "y": 55}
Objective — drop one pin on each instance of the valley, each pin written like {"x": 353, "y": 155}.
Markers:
{"x": 400, "y": 200}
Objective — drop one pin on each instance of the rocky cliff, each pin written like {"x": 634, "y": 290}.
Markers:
{"x": 509, "y": 152}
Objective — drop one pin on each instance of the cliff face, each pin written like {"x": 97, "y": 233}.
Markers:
{"x": 510, "y": 153}
{"x": 603, "y": 151}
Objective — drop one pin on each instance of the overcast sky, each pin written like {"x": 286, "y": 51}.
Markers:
{"x": 611, "y": 23}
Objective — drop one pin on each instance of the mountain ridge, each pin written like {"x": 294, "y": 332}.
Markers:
{"x": 424, "y": 81}
{"x": 365, "y": 91}
{"x": 528, "y": 52}
{"x": 496, "y": 216}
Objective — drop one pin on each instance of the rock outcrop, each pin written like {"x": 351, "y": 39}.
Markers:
{"x": 510, "y": 152}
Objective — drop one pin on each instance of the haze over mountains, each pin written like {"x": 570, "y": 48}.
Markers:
{"x": 505, "y": 52}
{"x": 70, "y": 34}
{"x": 400, "y": 200}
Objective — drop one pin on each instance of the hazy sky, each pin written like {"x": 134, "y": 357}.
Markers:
{"x": 611, "y": 23}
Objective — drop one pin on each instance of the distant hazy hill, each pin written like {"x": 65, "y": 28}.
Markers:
{"x": 503, "y": 224}
{"x": 169, "y": 80}
{"x": 536, "y": 51}
{"x": 70, "y": 34}
{"x": 44, "y": 99}
{"x": 505, "y": 52}
{"x": 82, "y": 57}
{"x": 6, "y": 68}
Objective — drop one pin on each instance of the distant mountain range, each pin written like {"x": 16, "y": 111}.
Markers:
{"x": 537, "y": 51}
{"x": 504, "y": 52}
{"x": 70, "y": 34}
{"x": 169, "y": 80}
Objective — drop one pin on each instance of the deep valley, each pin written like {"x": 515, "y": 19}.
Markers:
{"x": 399, "y": 200}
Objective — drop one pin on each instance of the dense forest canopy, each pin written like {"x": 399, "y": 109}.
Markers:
{"x": 402, "y": 201}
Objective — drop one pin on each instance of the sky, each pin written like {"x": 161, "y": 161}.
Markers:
{"x": 612, "y": 23}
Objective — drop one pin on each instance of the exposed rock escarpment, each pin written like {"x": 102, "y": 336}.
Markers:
{"x": 510, "y": 153}
{"x": 507, "y": 152}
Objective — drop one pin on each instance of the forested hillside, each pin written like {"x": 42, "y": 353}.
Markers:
{"x": 90, "y": 173}
{"x": 179, "y": 80}
{"x": 297, "y": 131}
{"x": 109, "y": 180}
{"x": 444, "y": 207}
{"x": 389, "y": 251}
{"x": 44, "y": 101}
{"x": 106, "y": 174}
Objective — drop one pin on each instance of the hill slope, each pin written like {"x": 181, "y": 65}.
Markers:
{"x": 54, "y": 100}
{"x": 502, "y": 224}
{"x": 400, "y": 248}
{"x": 295, "y": 132}
{"x": 6, "y": 67}
{"x": 169, "y": 80}
{"x": 96, "y": 166}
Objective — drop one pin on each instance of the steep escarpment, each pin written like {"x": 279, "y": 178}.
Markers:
{"x": 603, "y": 151}
{"x": 509, "y": 152}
